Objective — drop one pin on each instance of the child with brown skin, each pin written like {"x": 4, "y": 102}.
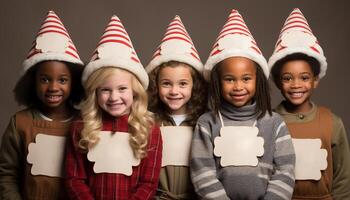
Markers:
{"x": 322, "y": 153}
{"x": 32, "y": 149}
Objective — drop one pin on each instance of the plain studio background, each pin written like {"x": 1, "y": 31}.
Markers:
{"x": 146, "y": 21}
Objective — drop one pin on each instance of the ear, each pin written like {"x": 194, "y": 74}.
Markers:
{"x": 316, "y": 81}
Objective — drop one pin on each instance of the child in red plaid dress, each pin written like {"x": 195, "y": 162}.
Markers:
{"x": 115, "y": 150}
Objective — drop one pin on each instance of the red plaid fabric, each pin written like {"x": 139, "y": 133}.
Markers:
{"x": 83, "y": 183}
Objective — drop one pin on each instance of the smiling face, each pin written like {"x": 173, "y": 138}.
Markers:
{"x": 175, "y": 88}
{"x": 297, "y": 82}
{"x": 115, "y": 94}
{"x": 238, "y": 80}
{"x": 53, "y": 84}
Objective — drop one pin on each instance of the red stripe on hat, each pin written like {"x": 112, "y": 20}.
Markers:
{"x": 116, "y": 36}
{"x": 194, "y": 49}
{"x": 115, "y": 29}
{"x": 302, "y": 24}
{"x": 176, "y": 28}
{"x": 73, "y": 48}
{"x": 236, "y": 24}
{"x": 278, "y": 42}
{"x": 176, "y": 23}
{"x": 235, "y": 29}
{"x": 67, "y": 52}
{"x": 178, "y": 38}
{"x": 195, "y": 56}
{"x": 177, "y": 32}
{"x": 115, "y": 41}
{"x": 282, "y": 47}
{"x": 296, "y": 13}
{"x": 115, "y": 25}
{"x": 295, "y": 26}
{"x": 215, "y": 52}
{"x": 296, "y": 21}
{"x": 295, "y": 18}
{"x": 256, "y": 49}
{"x": 313, "y": 48}
{"x": 155, "y": 55}
{"x": 51, "y": 15}
{"x": 236, "y": 19}
{"x": 53, "y": 31}
{"x": 115, "y": 20}
{"x": 53, "y": 26}
{"x": 35, "y": 51}
{"x": 52, "y": 21}
{"x": 135, "y": 59}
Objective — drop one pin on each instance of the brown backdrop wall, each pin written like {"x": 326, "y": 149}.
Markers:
{"x": 146, "y": 20}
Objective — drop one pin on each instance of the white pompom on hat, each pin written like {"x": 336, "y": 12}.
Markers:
{"x": 235, "y": 39}
{"x": 115, "y": 49}
{"x": 176, "y": 45}
{"x": 52, "y": 43}
{"x": 296, "y": 37}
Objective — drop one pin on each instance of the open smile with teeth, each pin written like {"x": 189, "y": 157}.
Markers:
{"x": 53, "y": 98}
{"x": 296, "y": 94}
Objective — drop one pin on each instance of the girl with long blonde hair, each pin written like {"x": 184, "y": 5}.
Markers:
{"x": 116, "y": 148}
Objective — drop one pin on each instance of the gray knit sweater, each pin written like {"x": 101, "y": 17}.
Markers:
{"x": 272, "y": 178}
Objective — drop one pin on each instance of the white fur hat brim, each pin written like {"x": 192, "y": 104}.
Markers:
{"x": 291, "y": 50}
{"x": 129, "y": 65}
{"x": 188, "y": 59}
{"x": 49, "y": 56}
{"x": 227, "y": 53}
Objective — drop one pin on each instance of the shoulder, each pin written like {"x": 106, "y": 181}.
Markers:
{"x": 275, "y": 118}
{"x": 206, "y": 118}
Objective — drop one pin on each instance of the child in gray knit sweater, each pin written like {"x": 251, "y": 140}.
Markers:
{"x": 241, "y": 149}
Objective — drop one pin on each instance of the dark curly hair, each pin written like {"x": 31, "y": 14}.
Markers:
{"x": 25, "y": 89}
{"x": 261, "y": 97}
{"x": 197, "y": 104}
{"x": 277, "y": 67}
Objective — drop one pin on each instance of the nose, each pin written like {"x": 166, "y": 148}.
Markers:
{"x": 53, "y": 86}
{"x": 113, "y": 95}
{"x": 296, "y": 83}
{"x": 238, "y": 85}
{"x": 173, "y": 90}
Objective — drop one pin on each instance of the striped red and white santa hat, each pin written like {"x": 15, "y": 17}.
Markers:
{"x": 115, "y": 49}
{"x": 176, "y": 45}
{"x": 297, "y": 37}
{"x": 52, "y": 43}
{"x": 235, "y": 39}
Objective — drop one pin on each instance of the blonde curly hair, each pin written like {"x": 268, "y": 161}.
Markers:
{"x": 140, "y": 119}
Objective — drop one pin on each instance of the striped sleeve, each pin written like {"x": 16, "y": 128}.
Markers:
{"x": 203, "y": 168}
{"x": 281, "y": 183}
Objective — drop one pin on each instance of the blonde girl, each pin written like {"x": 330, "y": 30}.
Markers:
{"x": 115, "y": 148}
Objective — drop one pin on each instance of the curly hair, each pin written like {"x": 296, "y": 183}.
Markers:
{"x": 25, "y": 88}
{"x": 140, "y": 119}
{"x": 197, "y": 104}
{"x": 261, "y": 97}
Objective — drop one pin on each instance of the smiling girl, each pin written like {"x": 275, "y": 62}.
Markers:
{"x": 240, "y": 149}
{"x": 178, "y": 97}
{"x": 32, "y": 150}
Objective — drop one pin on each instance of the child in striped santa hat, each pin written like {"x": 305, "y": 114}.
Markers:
{"x": 32, "y": 149}
{"x": 178, "y": 97}
{"x": 115, "y": 150}
{"x": 322, "y": 153}
{"x": 240, "y": 149}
